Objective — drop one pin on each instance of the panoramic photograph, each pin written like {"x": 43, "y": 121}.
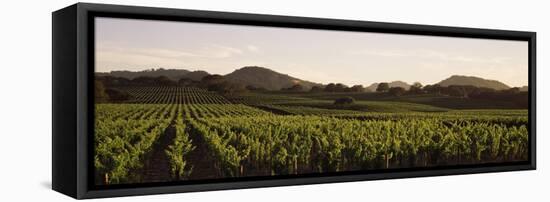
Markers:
{"x": 186, "y": 101}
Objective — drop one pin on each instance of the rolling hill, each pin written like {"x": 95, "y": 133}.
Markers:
{"x": 195, "y": 75}
{"x": 261, "y": 77}
{"x": 524, "y": 88}
{"x": 473, "y": 81}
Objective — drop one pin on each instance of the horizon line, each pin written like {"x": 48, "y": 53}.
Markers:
{"x": 322, "y": 83}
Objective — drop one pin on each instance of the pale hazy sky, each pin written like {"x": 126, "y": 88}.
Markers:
{"x": 316, "y": 55}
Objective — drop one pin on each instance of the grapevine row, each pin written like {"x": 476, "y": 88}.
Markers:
{"x": 174, "y": 95}
{"x": 246, "y": 141}
{"x": 295, "y": 144}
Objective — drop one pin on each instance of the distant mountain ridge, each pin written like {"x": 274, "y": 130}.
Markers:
{"x": 473, "y": 81}
{"x": 261, "y": 77}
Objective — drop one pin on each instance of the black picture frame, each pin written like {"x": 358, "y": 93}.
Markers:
{"x": 73, "y": 71}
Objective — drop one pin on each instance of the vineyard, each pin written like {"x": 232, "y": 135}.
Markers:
{"x": 174, "y": 95}
{"x": 216, "y": 137}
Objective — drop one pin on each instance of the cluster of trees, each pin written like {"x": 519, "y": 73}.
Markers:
{"x": 294, "y": 88}
{"x": 344, "y": 101}
{"x": 103, "y": 94}
{"x": 331, "y": 87}
{"x": 338, "y": 87}
{"x": 219, "y": 84}
{"x": 468, "y": 91}
{"x": 416, "y": 88}
{"x": 465, "y": 91}
{"x": 515, "y": 95}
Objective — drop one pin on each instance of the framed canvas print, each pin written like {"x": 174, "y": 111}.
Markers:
{"x": 154, "y": 100}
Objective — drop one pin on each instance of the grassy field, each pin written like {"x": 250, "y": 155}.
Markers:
{"x": 177, "y": 133}
{"x": 441, "y": 101}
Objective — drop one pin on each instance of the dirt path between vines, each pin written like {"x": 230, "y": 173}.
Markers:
{"x": 200, "y": 159}
{"x": 157, "y": 166}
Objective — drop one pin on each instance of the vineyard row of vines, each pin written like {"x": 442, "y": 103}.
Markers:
{"x": 246, "y": 141}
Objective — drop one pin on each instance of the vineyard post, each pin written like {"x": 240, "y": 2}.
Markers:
{"x": 106, "y": 178}
{"x": 241, "y": 170}
{"x": 386, "y": 159}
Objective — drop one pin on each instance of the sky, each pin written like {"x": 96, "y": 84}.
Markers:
{"x": 321, "y": 56}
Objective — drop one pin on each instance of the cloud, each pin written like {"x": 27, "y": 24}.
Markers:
{"x": 385, "y": 53}
{"x": 207, "y": 51}
{"x": 252, "y": 48}
{"x": 219, "y": 51}
{"x": 427, "y": 54}
{"x": 110, "y": 55}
